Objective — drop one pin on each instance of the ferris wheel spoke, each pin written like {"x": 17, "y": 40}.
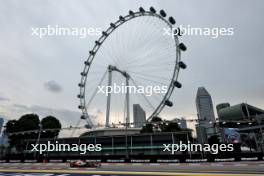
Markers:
{"x": 152, "y": 98}
{"x": 149, "y": 80}
{"x": 144, "y": 96}
{"x": 110, "y": 55}
{"x": 149, "y": 41}
{"x": 115, "y": 56}
{"x": 140, "y": 57}
{"x": 149, "y": 58}
{"x": 159, "y": 56}
{"x": 142, "y": 34}
{"x": 157, "y": 96}
{"x": 142, "y": 43}
{"x": 149, "y": 34}
{"x": 94, "y": 93}
{"x": 155, "y": 67}
{"x": 149, "y": 75}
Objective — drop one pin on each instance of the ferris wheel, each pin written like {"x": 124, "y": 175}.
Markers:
{"x": 133, "y": 52}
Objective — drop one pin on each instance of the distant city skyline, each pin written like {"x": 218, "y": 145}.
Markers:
{"x": 41, "y": 75}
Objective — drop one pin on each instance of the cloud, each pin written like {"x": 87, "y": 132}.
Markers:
{"x": 52, "y": 86}
{"x": 4, "y": 99}
{"x": 66, "y": 117}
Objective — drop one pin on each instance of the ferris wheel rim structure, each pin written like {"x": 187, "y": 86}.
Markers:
{"x": 98, "y": 43}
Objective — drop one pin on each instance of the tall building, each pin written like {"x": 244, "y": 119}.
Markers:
{"x": 139, "y": 116}
{"x": 1, "y": 124}
{"x": 205, "y": 108}
{"x": 201, "y": 131}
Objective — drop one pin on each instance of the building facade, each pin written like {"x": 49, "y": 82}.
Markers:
{"x": 139, "y": 116}
{"x": 205, "y": 108}
{"x": 1, "y": 124}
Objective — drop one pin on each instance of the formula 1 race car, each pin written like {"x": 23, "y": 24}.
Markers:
{"x": 81, "y": 163}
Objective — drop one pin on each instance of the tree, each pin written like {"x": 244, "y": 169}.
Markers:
{"x": 11, "y": 128}
{"x": 148, "y": 128}
{"x": 156, "y": 119}
{"x": 30, "y": 122}
{"x": 50, "y": 122}
{"x": 170, "y": 127}
{"x": 26, "y": 122}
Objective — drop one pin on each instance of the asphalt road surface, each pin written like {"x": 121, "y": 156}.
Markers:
{"x": 63, "y": 169}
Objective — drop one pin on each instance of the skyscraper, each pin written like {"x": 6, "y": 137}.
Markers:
{"x": 205, "y": 109}
{"x": 139, "y": 116}
{"x": 201, "y": 132}
{"x": 1, "y": 124}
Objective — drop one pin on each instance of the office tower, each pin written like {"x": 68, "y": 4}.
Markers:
{"x": 205, "y": 109}
{"x": 139, "y": 116}
{"x": 1, "y": 124}
{"x": 202, "y": 137}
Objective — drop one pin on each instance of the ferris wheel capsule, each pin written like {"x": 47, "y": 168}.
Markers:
{"x": 131, "y": 12}
{"x": 141, "y": 10}
{"x": 182, "y": 65}
{"x": 177, "y": 84}
{"x": 182, "y": 47}
{"x": 152, "y": 9}
{"x": 172, "y": 20}
{"x": 163, "y": 13}
{"x": 168, "y": 103}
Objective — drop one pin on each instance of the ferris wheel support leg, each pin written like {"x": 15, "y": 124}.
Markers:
{"x": 127, "y": 102}
{"x": 108, "y": 97}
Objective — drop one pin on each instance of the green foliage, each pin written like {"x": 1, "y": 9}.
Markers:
{"x": 148, "y": 128}
{"x": 30, "y": 122}
{"x": 157, "y": 124}
{"x": 170, "y": 127}
{"x": 11, "y": 126}
{"x": 156, "y": 119}
{"x": 50, "y": 122}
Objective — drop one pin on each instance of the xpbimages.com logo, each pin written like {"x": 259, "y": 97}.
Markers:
{"x": 50, "y": 147}
{"x": 189, "y": 147}
{"x": 214, "y": 32}
{"x": 56, "y": 30}
{"x": 123, "y": 89}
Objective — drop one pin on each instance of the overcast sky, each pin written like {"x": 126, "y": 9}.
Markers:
{"x": 41, "y": 75}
